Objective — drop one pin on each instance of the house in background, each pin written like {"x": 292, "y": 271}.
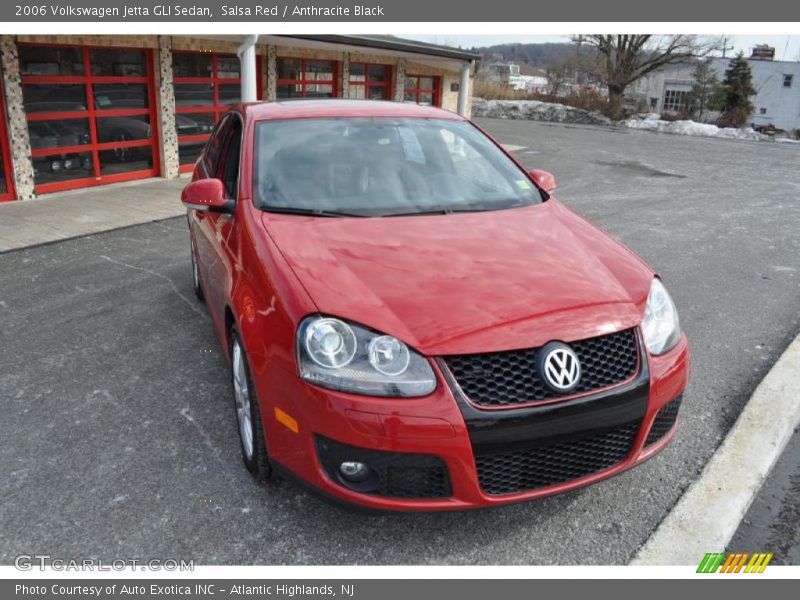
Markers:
{"x": 522, "y": 76}
{"x": 777, "y": 84}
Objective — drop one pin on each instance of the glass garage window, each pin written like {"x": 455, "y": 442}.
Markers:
{"x": 90, "y": 114}
{"x": 423, "y": 89}
{"x": 51, "y": 61}
{"x": 228, "y": 67}
{"x": 306, "y": 78}
{"x": 189, "y": 151}
{"x": 230, "y": 93}
{"x": 191, "y": 64}
{"x": 62, "y": 168}
{"x": 124, "y": 129}
{"x": 194, "y": 123}
{"x": 59, "y": 133}
{"x": 368, "y": 81}
{"x": 125, "y": 159}
{"x": 108, "y": 96}
{"x": 54, "y": 98}
{"x": 194, "y": 94}
{"x": 118, "y": 63}
{"x": 206, "y": 84}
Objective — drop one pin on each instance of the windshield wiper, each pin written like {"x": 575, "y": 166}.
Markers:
{"x": 446, "y": 210}
{"x": 313, "y": 212}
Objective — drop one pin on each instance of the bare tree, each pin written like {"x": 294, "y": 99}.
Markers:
{"x": 557, "y": 75}
{"x": 623, "y": 59}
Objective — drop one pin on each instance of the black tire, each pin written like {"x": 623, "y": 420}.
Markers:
{"x": 254, "y": 454}
{"x": 198, "y": 289}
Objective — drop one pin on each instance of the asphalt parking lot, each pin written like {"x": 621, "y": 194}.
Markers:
{"x": 119, "y": 437}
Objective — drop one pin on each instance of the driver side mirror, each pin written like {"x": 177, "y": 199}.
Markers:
{"x": 207, "y": 195}
{"x": 544, "y": 179}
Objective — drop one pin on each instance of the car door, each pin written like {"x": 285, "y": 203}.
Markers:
{"x": 220, "y": 226}
{"x": 213, "y": 230}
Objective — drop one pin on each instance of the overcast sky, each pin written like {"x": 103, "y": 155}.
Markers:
{"x": 787, "y": 47}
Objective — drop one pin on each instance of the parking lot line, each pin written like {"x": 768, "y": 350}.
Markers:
{"x": 708, "y": 514}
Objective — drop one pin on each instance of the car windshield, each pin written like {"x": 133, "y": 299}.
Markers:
{"x": 383, "y": 167}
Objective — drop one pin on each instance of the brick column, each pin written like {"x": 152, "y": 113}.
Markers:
{"x": 19, "y": 139}
{"x": 170, "y": 162}
{"x": 400, "y": 80}
{"x": 272, "y": 73}
{"x": 345, "y": 75}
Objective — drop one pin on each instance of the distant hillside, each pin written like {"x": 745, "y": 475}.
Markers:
{"x": 538, "y": 55}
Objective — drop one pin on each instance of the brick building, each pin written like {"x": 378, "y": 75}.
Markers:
{"x": 87, "y": 110}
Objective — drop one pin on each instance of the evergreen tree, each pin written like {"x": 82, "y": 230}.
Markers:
{"x": 705, "y": 93}
{"x": 738, "y": 89}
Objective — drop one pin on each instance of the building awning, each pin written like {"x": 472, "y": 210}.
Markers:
{"x": 395, "y": 44}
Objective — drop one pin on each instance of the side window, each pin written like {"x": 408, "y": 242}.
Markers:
{"x": 215, "y": 146}
{"x": 229, "y": 171}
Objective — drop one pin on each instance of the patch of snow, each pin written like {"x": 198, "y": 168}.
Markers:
{"x": 533, "y": 110}
{"x": 693, "y": 128}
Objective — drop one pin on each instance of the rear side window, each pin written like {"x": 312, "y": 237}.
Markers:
{"x": 215, "y": 146}
{"x": 229, "y": 164}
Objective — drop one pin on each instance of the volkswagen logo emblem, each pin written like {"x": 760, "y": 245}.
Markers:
{"x": 559, "y": 367}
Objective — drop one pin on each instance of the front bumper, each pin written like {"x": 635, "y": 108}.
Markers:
{"x": 488, "y": 457}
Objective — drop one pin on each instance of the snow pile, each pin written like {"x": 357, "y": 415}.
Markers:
{"x": 692, "y": 128}
{"x": 533, "y": 110}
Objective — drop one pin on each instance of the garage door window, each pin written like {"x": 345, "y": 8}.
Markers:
{"x": 206, "y": 84}
{"x": 306, "y": 78}
{"x": 423, "y": 89}
{"x": 91, "y": 114}
{"x": 371, "y": 82}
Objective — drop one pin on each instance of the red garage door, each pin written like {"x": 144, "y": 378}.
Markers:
{"x": 206, "y": 84}
{"x": 91, "y": 114}
{"x": 6, "y": 182}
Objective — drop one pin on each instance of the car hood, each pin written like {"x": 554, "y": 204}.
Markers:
{"x": 469, "y": 282}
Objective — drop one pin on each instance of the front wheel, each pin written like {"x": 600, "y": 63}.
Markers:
{"x": 198, "y": 291}
{"x": 248, "y": 415}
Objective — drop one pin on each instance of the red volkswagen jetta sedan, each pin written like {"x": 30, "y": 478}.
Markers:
{"x": 413, "y": 322}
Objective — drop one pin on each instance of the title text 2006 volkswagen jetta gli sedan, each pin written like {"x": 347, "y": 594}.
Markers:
{"x": 412, "y": 321}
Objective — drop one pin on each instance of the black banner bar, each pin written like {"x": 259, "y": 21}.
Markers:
{"x": 375, "y": 589}
{"x": 266, "y": 11}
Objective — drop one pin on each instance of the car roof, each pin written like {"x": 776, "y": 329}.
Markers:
{"x": 333, "y": 108}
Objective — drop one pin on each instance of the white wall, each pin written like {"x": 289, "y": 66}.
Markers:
{"x": 782, "y": 104}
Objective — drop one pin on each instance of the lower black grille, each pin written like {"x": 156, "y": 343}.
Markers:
{"x": 531, "y": 468}
{"x": 396, "y": 474}
{"x": 510, "y": 377}
{"x": 664, "y": 421}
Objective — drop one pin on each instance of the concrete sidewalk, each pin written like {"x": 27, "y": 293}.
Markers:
{"x": 81, "y": 212}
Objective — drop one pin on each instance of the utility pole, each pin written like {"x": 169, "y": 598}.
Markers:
{"x": 577, "y": 58}
{"x": 725, "y": 46}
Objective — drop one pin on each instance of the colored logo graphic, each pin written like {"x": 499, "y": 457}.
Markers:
{"x": 734, "y": 562}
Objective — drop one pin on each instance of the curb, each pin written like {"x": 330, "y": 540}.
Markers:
{"x": 708, "y": 514}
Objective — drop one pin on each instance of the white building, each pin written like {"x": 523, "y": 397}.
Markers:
{"x": 777, "y": 84}
{"x": 519, "y": 77}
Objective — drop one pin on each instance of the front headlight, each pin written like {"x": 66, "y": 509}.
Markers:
{"x": 660, "y": 325}
{"x": 344, "y": 356}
